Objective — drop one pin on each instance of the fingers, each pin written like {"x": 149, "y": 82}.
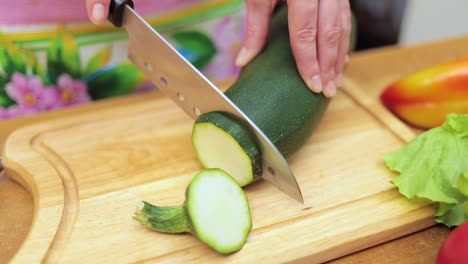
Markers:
{"x": 345, "y": 16}
{"x": 328, "y": 41}
{"x": 258, "y": 20}
{"x": 97, "y": 10}
{"x": 302, "y": 19}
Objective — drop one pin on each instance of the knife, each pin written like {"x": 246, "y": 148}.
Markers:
{"x": 190, "y": 89}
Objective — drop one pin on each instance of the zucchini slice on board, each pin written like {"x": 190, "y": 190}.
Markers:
{"x": 216, "y": 211}
{"x": 270, "y": 91}
{"x": 222, "y": 141}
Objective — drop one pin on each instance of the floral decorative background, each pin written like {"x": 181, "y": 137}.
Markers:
{"x": 65, "y": 72}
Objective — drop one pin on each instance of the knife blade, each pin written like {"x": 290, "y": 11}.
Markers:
{"x": 190, "y": 89}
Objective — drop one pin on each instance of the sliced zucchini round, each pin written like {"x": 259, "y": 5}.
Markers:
{"x": 222, "y": 141}
{"x": 219, "y": 211}
{"x": 216, "y": 211}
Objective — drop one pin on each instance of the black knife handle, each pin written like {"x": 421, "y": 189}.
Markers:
{"x": 116, "y": 11}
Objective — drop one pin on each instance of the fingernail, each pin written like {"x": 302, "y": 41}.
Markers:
{"x": 315, "y": 84}
{"x": 98, "y": 12}
{"x": 242, "y": 58}
{"x": 330, "y": 89}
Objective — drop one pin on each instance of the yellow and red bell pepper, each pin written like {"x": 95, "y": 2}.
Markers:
{"x": 424, "y": 98}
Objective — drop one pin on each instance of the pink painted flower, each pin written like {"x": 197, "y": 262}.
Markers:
{"x": 19, "y": 111}
{"x": 71, "y": 92}
{"x": 30, "y": 94}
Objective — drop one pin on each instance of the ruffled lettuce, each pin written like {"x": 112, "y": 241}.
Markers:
{"x": 434, "y": 166}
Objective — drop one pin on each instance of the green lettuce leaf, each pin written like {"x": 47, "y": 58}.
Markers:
{"x": 434, "y": 166}
{"x": 452, "y": 214}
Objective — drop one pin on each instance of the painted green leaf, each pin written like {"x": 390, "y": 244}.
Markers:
{"x": 118, "y": 80}
{"x": 97, "y": 61}
{"x": 5, "y": 100}
{"x": 38, "y": 70}
{"x": 196, "y": 47}
{"x": 33, "y": 66}
{"x": 11, "y": 58}
{"x": 63, "y": 56}
{"x": 5, "y": 63}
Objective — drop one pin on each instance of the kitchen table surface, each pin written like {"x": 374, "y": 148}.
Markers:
{"x": 16, "y": 204}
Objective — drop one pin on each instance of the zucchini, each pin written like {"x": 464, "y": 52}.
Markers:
{"x": 270, "y": 91}
{"x": 216, "y": 211}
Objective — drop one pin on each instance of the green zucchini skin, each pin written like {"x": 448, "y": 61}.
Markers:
{"x": 271, "y": 92}
{"x": 240, "y": 132}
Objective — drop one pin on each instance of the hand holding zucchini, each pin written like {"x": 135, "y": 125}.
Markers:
{"x": 270, "y": 91}
{"x": 216, "y": 211}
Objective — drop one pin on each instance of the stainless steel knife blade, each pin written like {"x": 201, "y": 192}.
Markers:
{"x": 194, "y": 93}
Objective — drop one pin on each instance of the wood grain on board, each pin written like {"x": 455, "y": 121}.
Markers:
{"x": 113, "y": 166}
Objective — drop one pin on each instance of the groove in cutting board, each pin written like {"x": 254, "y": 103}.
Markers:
{"x": 378, "y": 111}
{"x": 70, "y": 203}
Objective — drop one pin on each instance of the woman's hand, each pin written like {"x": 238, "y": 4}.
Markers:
{"x": 319, "y": 33}
{"x": 98, "y": 10}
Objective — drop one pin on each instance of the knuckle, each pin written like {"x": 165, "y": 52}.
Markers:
{"x": 332, "y": 36}
{"x": 259, "y": 4}
{"x": 315, "y": 69}
{"x": 251, "y": 32}
{"x": 347, "y": 18}
{"x": 311, "y": 9}
{"x": 346, "y": 28}
{"x": 346, "y": 32}
{"x": 306, "y": 35}
{"x": 330, "y": 75}
{"x": 253, "y": 38}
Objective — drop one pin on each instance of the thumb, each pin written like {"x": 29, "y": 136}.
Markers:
{"x": 258, "y": 18}
{"x": 97, "y": 10}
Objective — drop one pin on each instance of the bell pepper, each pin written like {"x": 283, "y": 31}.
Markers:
{"x": 425, "y": 97}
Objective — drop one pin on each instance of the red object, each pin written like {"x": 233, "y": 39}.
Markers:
{"x": 424, "y": 98}
{"x": 454, "y": 249}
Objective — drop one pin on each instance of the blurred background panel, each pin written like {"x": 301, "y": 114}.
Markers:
{"x": 429, "y": 20}
{"x": 378, "y": 22}
{"x": 406, "y": 22}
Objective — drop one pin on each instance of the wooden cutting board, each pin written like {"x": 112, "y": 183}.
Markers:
{"x": 87, "y": 174}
